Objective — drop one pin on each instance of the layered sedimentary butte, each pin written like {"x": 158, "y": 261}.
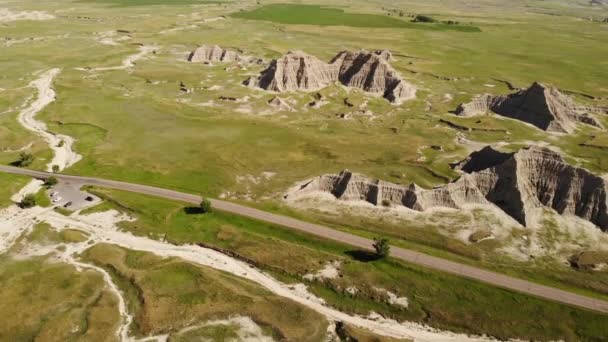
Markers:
{"x": 544, "y": 107}
{"x": 369, "y": 71}
{"x": 213, "y": 53}
{"x": 295, "y": 71}
{"x": 516, "y": 183}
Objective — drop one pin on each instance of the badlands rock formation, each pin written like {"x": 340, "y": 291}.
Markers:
{"x": 213, "y": 53}
{"x": 542, "y": 106}
{"x": 369, "y": 71}
{"x": 372, "y": 73}
{"x": 517, "y": 183}
{"x": 295, "y": 71}
{"x": 481, "y": 160}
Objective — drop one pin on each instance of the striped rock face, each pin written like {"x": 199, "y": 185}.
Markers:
{"x": 213, "y": 53}
{"x": 539, "y": 105}
{"x": 369, "y": 71}
{"x": 516, "y": 183}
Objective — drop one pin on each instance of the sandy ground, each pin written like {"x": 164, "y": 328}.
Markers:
{"x": 7, "y": 15}
{"x": 61, "y": 145}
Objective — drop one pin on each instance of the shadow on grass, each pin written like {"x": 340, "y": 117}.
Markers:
{"x": 194, "y": 210}
{"x": 362, "y": 256}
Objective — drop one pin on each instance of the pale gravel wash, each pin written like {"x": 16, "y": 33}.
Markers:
{"x": 61, "y": 145}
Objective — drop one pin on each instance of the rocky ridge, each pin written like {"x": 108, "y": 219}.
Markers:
{"x": 516, "y": 183}
{"x": 369, "y": 71}
{"x": 215, "y": 53}
{"x": 294, "y": 71}
{"x": 540, "y": 105}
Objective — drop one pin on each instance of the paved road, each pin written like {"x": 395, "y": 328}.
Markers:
{"x": 417, "y": 258}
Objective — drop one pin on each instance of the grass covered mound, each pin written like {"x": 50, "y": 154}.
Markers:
{"x": 324, "y": 16}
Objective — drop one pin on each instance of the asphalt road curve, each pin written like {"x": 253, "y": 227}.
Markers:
{"x": 410, "y": 256}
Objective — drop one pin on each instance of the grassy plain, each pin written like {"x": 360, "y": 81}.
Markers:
{"x": 324, "y": 16}
{"x": 437, "y": 299}
{"x": 9, "y": 185}
{"x": 135, "y": 125}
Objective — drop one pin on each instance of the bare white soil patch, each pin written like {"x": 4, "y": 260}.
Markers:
{"x": 111, "y": 38}
{"x": 330, "y": 270}
{"x": 393, "y": 299}
{"x": 7, "y": 15}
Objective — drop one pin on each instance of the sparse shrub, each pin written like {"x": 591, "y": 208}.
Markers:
{"x": 205, "y": 206}
{"x": 382, "y": 247}
{"x": 420, "y": 18}
{"x": 28, "y": 201}
{"x": 55, "y": 168}
{"x": 51, "y": 181}
{"x": 61, "y": 143}
{"x": 25, "y": 159}
{"x": 386, "y": 203}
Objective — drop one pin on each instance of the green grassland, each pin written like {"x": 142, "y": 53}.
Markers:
{"x": 167, "y": 295}
{"x": 9, "y": 185}
{"x": 323, "y": 16}
{"x": 437, "y": 299}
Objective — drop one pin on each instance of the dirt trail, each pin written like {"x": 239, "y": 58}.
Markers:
{"x": 61, "y": 145}
{"x": 192, "y": 25}
{"x": 129, "y": 61}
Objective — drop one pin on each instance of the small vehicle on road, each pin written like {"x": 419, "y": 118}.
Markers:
{"x": 57, "y": 199}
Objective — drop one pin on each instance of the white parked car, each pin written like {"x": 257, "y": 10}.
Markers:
{"x": 56, "y": 199}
